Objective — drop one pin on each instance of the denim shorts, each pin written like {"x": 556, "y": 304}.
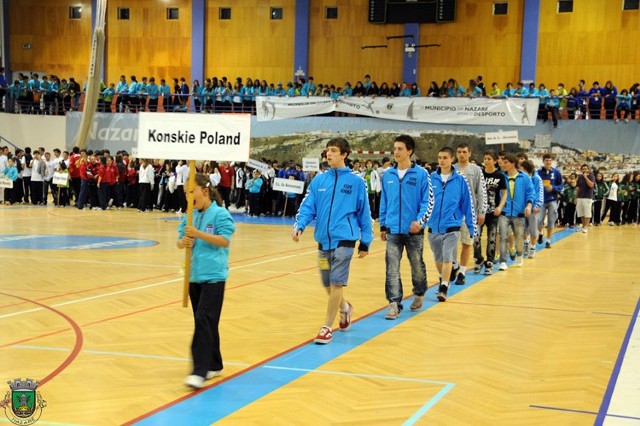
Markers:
{"x": 444, "y": 246}
{"x": 334, "y": 265}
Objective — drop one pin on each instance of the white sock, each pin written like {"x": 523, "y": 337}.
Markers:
{"x": 463, "y": 269}
{"x": 445, "y": 283}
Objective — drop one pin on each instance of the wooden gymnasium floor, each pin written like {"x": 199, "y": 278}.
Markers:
{"x": 105, "y": 333}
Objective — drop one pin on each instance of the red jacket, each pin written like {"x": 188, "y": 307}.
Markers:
{"x": 110, "y": 174}
{"x": 226, "y": 176}
{"x": 74, "y": 170}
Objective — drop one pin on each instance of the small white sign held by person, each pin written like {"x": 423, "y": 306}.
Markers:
{"x": 288, "y": 185}
{"x": 60, "y": 179}
{"x": 205, "y": 137}
{"x": 259, "y": 165}
{"x": 310, "y": 165}
{"x": 5, "y": 182}
{"x": 193, "y": 137}
{"x": 497, "y": 138}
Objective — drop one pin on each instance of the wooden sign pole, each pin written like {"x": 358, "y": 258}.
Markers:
{"x": 187, "y": 260}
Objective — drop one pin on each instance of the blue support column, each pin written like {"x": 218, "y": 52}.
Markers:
{"x": 94, "y": 12}
{"x": 5, "y": 34}
{"x": 301, "y": 42}
{"x": 410, "y": 63}
{"x": 198, "y": 18}
{"x": 529, "y": 51}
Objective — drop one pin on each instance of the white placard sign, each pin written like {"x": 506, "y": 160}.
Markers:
{"x": 288, "y": 185}
{"x": 221, "y": 137}
{"x": 5, "y": 182}
{"x": 61, "y": 179}
{"x": 254, "y": 164}
{"x": 134, "y": 152}
{"x": 497, "y": 138}
{"x": 310, "y": 165}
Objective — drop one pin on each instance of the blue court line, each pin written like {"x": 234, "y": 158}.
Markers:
{"x": 606, "y": 401}
{"x": 224, "y": 398}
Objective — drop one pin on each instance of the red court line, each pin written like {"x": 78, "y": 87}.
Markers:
{"x": 76, "y": 347}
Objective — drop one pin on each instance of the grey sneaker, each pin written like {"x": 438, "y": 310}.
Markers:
{"x": 417, "y": 303}
{"x": 393, "y": 312}
{"x": 477, "y": 268}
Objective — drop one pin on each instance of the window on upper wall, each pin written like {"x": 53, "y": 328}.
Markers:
{"x": 224, "y": 13}
{"x": 75, "y": 12}
{"x": 331, "y": 12}
{"x": 173, "y": 13}
{"x": 123, "y": 13}
{"x": 565, "y": 6}
{"x": 500, "y": 8}
{"x": 276, "y": 13}
{"x": 631, "y": 4}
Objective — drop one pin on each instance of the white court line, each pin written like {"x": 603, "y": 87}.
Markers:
{"x": 54, "y": 259}
{"x": 141, "y": 287}
{"x": 120, "y": 354}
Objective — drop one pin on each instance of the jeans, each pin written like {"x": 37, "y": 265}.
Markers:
{"x": 393, "y": 282}
{"x": 491, "y": 223}
{"x": 517, "y": 225}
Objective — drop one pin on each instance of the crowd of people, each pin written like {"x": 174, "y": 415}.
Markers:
{"x": 36, "y": 94}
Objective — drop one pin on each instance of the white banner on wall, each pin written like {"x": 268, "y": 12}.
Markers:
{"x": 288, "y": 185}
{"x": 277, "y": 108}
{"x": 469, "y": 111}
{"x": 221, "y": 137}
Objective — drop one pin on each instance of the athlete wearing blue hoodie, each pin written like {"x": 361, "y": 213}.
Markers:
{"x": 518, "y": 206}
{"x": 452, "y": 203}
{"x": 553, "y": 186}
{"x": 406, "y": 197}
{"x": 338, "y": 201}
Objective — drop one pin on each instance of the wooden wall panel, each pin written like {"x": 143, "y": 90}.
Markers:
{"x": 335, "y": 46}
{"x": 148, "y": 44}
{"x": 594, "y": 42}
{"x": 250, "y": 44}
{"x": 477, "y": 43}
{"x": 59, "y": 45}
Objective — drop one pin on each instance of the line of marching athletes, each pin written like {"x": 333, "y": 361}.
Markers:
{"x": 509, "y": 199}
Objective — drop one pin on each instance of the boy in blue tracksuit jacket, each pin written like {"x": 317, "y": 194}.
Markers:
{"x": 553, "y": 186}
{"x": 338, "y": 200}
{"x": 518, "y": 206}
{"x": 452, "y": 203}
{"x": 406, "y": 197}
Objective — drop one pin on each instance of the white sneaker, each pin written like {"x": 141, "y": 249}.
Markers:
{"x": 503, "y": 266}
{"x": 585, "y": 230}
{"x": 195, "y": 382}
{"x": 532, "y": 253}
{"x": 519, "y": 261}
{"x": 213, "y": 374}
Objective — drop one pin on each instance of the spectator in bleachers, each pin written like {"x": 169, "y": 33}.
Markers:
{"x": 610, "y": 99}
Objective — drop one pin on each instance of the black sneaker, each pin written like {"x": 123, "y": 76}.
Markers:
{"x": 488, "y": 268}
{"x": 540, "y": 238}
{"x": 460, "y": 279}
{"x": 548, "y": 244}
{"x": 442, "y": 293}
{"x": 454, "y": 274}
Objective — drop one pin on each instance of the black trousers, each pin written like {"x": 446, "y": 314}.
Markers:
{"x": 206, "y": 302}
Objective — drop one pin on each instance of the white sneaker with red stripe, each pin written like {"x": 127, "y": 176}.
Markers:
{"x": 325, "y": 335}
